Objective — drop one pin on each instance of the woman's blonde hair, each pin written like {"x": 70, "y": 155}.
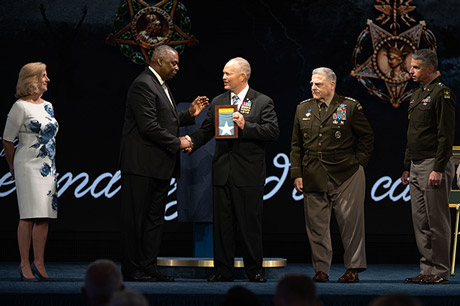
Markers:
{"x": 29, "y": 77}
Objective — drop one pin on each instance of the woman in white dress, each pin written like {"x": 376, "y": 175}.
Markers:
{"x": 31, "y": 120}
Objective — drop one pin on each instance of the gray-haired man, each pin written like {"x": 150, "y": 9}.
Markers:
{"x": 329, "y": 171}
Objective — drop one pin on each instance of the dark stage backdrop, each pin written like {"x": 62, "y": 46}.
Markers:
{"x": 283, "y": 41}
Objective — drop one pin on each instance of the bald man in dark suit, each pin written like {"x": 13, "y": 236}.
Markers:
{"x": 238, "y": 172}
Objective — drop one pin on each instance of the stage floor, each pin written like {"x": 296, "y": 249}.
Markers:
{"x": 375, "y": 281}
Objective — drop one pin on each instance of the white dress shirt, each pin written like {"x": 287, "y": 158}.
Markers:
{"x": 163, "y": 84}
{"x": 241, "y": 96}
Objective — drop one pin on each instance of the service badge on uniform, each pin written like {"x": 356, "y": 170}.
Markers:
{"x": 446, "y": 94}
{"x": 338, "y": 134}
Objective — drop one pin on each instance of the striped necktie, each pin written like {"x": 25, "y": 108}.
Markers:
{"x": 235, "y": 100}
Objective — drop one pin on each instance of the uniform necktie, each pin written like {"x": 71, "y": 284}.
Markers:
{"x": 322, "y": 110}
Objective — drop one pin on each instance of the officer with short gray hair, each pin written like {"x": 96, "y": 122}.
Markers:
{"x": 328, "y": 169}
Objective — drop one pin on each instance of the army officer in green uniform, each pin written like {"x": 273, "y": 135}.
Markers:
{"x": 331, "y": 143}
{"x": 429, "y": 166}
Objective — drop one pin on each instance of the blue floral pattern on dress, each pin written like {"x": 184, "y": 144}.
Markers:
{"x": 45, "y": 169}
{"x": 51, "y": 150}
{"x": 46, "y": 148}
{"x": 48, "y": 133}
{"x": 54, "y": 200}
{"x": 49, "y": 110}
{"x": 45, "y": 136}
{"x": 41, "y": 152}
{"x": 35, "y": 126}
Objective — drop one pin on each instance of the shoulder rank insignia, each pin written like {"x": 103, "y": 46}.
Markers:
{"x": 308, "y": 100}
{"x": 358, "y": 106}
{"x": 351, "y": 99}
{"x": 446, "y": 94}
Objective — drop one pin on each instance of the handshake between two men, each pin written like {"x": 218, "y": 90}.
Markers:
{"x": 200, "y": 102}
{"x": 186, "y": 143}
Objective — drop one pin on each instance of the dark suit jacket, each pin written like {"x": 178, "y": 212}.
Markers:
{"x": 149, "y": 144}
{"x": 244, "y": 158}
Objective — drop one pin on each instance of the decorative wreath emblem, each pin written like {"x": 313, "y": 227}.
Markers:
{"x": 141, "y": 27}
{"x": 387, "y": 59}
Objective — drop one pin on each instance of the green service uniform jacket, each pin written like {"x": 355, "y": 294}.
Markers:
{"x": 333, "y": 147}
{"x": 431, "y": 125}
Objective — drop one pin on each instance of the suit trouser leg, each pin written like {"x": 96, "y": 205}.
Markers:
{"x": 223, "y": 231}
{"x": 317, "y": 209}
{"x": 348, "y": 204}
{"x": 431, "y": 217}
{"x": 248, "y": 206}
{"x": 143, "y": 205}
{"x": 242, "y": 207}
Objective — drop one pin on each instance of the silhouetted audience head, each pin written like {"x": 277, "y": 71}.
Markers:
{"x": 296, "y": 290}
{"x": 102, "y": 279}
{"x": 240, "y": 296}
{"x": 395, "y": 300}
{"x": 128, "y": 297}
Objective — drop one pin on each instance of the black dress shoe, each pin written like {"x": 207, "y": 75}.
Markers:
{"x": 159, "y": 277}
{"x": 219, "y": 278}
{"x": 138, "y": 276}
{"x": 258, "y": 278}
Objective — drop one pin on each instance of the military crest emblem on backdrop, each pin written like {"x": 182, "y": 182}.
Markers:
{"x": 140, "y": 27}
{"x": 382, "y": 56}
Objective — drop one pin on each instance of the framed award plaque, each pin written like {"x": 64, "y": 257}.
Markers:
{"x": 225, "y": 127}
